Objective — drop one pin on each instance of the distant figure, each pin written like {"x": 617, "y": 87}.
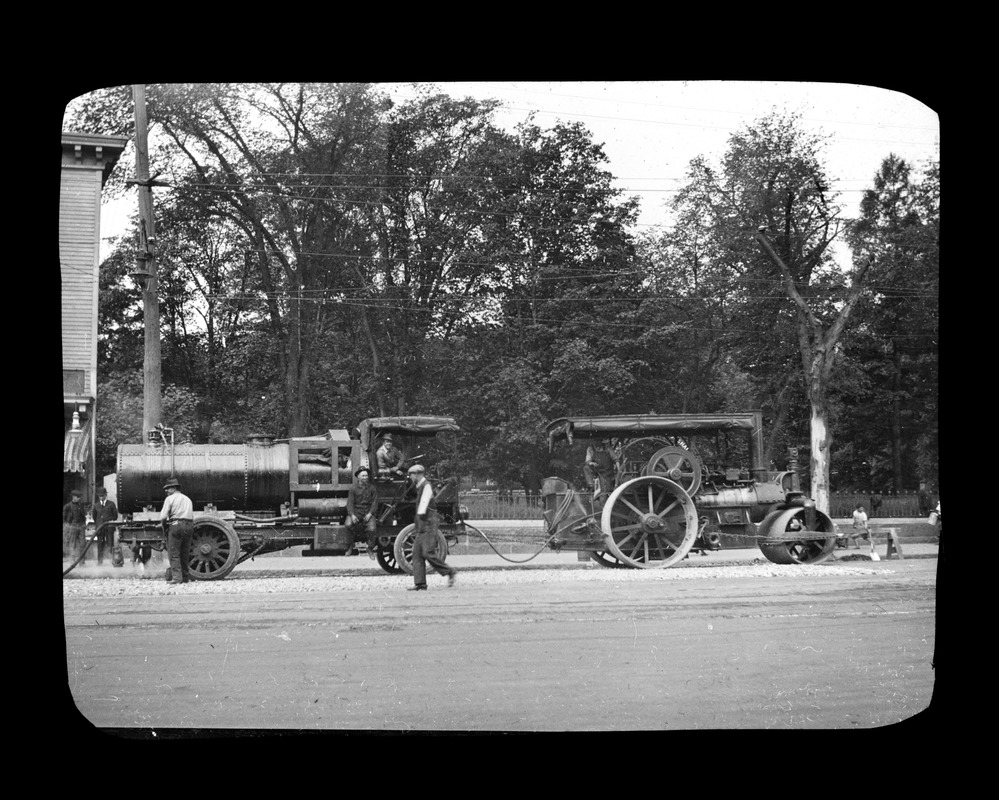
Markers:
{"x": 104, "y": 510}
{"x": 177, "y": 519}
{"x": 860, "y": 527}
{"x": 74, "y": 523}
{"x": 925, "y": 503}
{"x": 389, "y": 458}
{"x": 875, "y": 502}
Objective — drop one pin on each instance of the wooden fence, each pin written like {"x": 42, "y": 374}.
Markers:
{"x": 520, "y": 505}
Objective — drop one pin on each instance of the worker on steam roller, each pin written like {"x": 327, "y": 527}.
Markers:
{"x": 600, "y": 460}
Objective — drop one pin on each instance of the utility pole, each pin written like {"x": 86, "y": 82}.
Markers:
{"x": 146, "y": 270}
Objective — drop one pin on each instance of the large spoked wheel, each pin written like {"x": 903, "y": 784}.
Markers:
{"x": 679, "y": 465}
{"x": 214, "y": 551}
{"x": 387, "y": 561}
{"x": 635, "y": 455}
{"x": 605, "y": 559}
{"x": 404, "y": 548}
{"x": 649, "y": 522}
{"x": 779, "y": 529}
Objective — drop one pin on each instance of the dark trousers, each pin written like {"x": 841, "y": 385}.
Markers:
{"x": 73, "y": 537}
{"x": 179, "y": 534}
{"x": 425, "y": 551}
{"x": 369, "y": 529}
{"x": 105, "y": 541}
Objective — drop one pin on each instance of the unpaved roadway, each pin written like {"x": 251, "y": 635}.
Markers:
{"x": 555, "y": 645}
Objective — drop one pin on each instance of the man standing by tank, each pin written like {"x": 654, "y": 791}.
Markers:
{"x": 102, "y": 511}
{"x": 74, "y": 523}
{"x": 177, "y": 519}
{"x": 427, "y": 523}
{"x": 362, "y": 505}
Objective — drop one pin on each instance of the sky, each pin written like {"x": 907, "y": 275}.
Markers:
{"x": 650, "y": 130}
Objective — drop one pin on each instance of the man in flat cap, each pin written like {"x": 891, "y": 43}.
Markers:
{"x": 389, "y": 458}
{"x": 362, "y": 507}
{"x": 177, "y": 519}
{"x": 74, "y": 523}
{"x": 425, "y": 546}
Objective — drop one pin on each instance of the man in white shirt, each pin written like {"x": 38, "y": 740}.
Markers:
{"x": 425, "y": 544}
{"x": 177, "y": 519}
{"x": 861, "y": 529}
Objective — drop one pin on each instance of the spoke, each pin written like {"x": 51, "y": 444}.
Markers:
{"x": 624, "y": 540}
{"x": 624, "y": 501}
{"x": 634, "y": 526}
{"x": 620, "y": 512}
{"x": 642, "y": 542}
{"x": 670, "y": 507}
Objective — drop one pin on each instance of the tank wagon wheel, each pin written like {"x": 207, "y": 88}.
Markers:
{"x": 783, "y": 525}
{"x": 214, "y": 550}
{"x": 404, "y": 548}
{"x": 679, "y": 465}
{"x": 649, "y": 522}
{"x": 387, "y": 561}
{"x": 605, "y": 559}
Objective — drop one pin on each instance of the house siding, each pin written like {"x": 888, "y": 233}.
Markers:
{"x": 79, "y": 242}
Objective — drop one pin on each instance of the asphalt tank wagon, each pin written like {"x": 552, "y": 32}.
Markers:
{"x": 679, "y": 483}
{"x": 265, "y": 495}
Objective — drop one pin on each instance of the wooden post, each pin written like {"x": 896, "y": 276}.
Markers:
{"x": 146, "y": 263}
{"x": 894, "y": 546}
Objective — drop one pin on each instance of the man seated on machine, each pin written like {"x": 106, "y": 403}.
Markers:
{"x": 601, "y": 461}
{"x": 362, "y": 508}
{"x": 389, "y": 459}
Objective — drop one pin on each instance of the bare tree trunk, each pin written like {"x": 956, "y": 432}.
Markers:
{"x": 818, "y": 354}
{"x": 819, "y": 461}
{"x": 896, "y": 419}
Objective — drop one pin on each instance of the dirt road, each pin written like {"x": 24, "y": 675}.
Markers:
{"x": 563, "y": 647}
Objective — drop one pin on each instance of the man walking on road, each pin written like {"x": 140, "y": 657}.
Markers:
{"x": 177, "y": 519}
{"x": 425, "y": 544}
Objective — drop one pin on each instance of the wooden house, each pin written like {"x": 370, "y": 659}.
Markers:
{"x": 87, "y": 161}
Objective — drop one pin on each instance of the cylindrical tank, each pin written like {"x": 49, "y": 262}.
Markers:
{"x": 758, "y": 498}
{"x": 232, "y": 477}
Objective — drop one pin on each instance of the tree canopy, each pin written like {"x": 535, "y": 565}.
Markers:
{"x": 327, "y": 255}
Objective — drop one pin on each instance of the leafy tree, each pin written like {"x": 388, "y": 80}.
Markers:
{"x": 771, "y": 186}
{"x": 893, "y": 356}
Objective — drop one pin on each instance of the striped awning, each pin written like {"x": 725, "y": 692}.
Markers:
{"x": 76, "y": 450}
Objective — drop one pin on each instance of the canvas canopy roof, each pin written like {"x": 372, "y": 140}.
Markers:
{"x": 637, "y": 425}
{"x": 412, "y": 426}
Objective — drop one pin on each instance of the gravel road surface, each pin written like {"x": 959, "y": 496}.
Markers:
{"x": 555, "y": 644}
